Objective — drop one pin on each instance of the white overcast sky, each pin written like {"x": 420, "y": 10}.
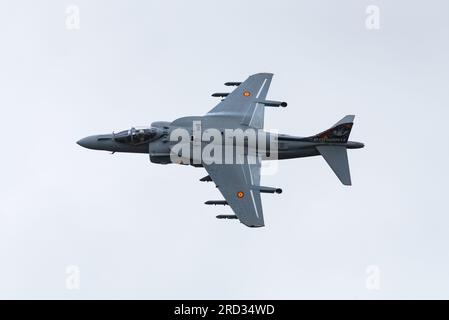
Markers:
{"x": 135, "y": 229}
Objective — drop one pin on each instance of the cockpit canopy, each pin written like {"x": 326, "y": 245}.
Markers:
{"x": 137, "y": 136}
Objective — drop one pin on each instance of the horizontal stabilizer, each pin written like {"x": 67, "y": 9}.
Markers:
{"x": 337, "y": 158}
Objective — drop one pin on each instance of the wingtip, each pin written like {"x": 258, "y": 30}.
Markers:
{"x": 265, "y": 74}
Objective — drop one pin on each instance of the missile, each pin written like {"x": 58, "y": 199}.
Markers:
{"x": 270, "y": 190}
{"x": 226, "y": 216}
{"x": 220, "y": 94}
{"x": 232, "y": 84}
{"x": 215, "y": 202}
{"x": 272, "y": 103}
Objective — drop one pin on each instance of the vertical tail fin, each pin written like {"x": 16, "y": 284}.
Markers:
{"x": 338, "y": 133}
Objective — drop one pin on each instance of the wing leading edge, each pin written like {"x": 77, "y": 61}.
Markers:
{"x": 243, "y": 103}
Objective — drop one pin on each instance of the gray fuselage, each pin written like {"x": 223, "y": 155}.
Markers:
{"x": 156, "y": 142}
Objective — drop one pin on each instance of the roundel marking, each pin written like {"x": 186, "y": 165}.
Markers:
{"x": 246, "y": 93}
{"x": 240, "y": 194}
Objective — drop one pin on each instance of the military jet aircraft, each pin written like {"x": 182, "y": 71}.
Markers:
{"x": 239, "y": 181}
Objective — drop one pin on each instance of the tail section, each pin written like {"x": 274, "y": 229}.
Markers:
{"x": 336, "y": 155}
{"x": 339, "y": 133}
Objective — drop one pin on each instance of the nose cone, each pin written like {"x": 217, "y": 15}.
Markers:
{"x": 99, "y": 142}
{"x": 90, "y": 142}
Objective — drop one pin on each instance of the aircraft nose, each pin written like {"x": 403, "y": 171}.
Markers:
{"x": 88, "y": 142}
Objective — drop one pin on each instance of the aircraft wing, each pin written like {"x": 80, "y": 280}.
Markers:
{"x": 243, "y": 104}
{"x": 240, "y": 186}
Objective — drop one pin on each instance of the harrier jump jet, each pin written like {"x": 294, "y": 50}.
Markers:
{"x": 239, "y": 181}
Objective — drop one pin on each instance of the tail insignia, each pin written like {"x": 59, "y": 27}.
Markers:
{"x": 337, "y": 134}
